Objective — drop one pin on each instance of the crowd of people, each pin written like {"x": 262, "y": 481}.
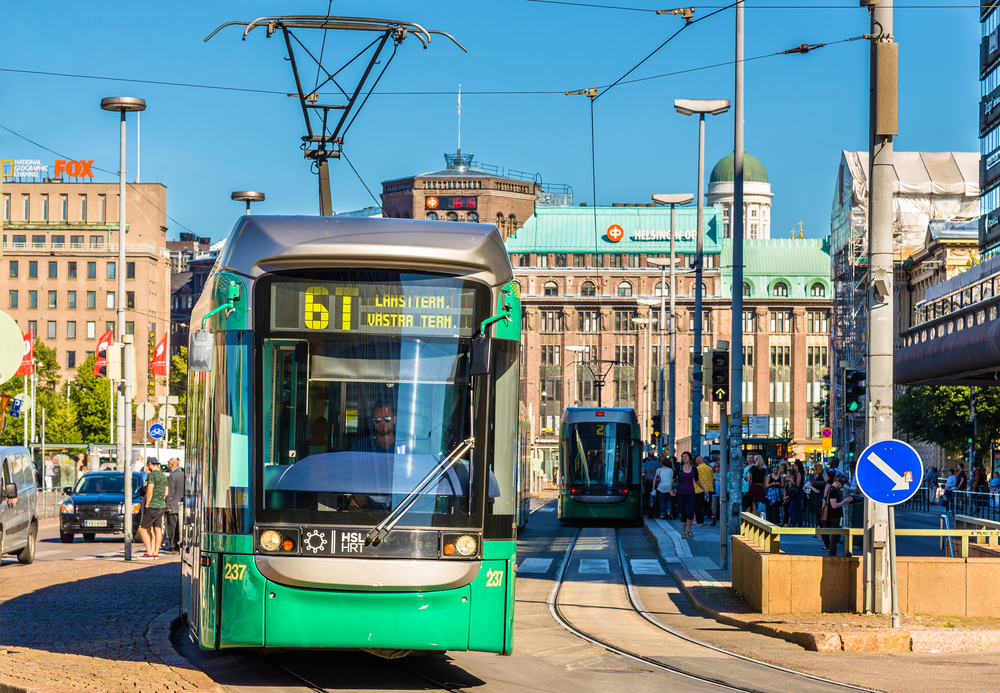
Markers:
{"x": 785, "y": 494}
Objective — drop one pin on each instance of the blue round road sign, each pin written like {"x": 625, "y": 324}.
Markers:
{"x": 156, "y": 431}
{"x": 889, "y": 472}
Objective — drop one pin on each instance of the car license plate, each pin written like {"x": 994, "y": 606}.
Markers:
{"x": 95, "y": 523}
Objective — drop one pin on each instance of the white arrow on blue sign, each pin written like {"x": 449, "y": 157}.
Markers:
{"x": 889, "y": 472}
{"x": 156, "y": 431}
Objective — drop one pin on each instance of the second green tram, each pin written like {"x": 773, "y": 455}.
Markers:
{"x": 352, "y": 438}
{"x": 599, "y": 473}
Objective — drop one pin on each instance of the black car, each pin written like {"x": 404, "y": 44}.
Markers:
{"x": 95, "y": 506}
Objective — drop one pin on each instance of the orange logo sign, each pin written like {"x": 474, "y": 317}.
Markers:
{"x": 432, "y": 203}
{"x": 74, "y": 169}
{"x": 615, "y": 233}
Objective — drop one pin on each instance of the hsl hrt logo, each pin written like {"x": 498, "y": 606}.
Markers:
{"x": 74, "y": 169}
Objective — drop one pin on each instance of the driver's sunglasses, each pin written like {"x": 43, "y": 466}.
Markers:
{"x": 387, "y": 419}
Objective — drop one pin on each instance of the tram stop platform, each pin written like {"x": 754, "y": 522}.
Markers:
{"x": 94, "y": 623}
{"x": 695, "y": 567}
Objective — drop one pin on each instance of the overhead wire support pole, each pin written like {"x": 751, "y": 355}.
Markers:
{"x": 736, "y": 339}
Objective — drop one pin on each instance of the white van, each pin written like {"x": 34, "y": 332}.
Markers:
{"x": 18, "y": 504}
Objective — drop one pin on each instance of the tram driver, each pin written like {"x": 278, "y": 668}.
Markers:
{"x": 384, "y": 426}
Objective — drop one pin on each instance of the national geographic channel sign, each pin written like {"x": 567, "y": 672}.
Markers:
{"x": 34, "y": 168}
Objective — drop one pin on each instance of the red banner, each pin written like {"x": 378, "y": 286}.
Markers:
{"x": 159, "y": 365}
{"x": 27, "y": 361}
{"x": 101, "y": 355}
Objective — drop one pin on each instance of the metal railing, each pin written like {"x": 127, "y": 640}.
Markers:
{"x": 767, "y": 536}
{"x": 981, "y": 504}
{"x": 49, "y": 500}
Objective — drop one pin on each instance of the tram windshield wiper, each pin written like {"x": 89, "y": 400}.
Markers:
{"x": 377, "y": 534}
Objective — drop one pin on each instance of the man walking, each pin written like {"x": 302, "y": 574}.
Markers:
{"x": 174, "y": 501}
{"x": 703, "y": 504}
{"x": 150, "y": 527}
{"x": 649, "y": 467}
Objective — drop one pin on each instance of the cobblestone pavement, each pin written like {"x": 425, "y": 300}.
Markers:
{"x": 96, "y": 625}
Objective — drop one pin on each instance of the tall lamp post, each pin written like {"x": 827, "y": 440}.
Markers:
{"x": 123, "y": 104}
{"x": 673, "y": 200}
{"x": 248, "y": 196}
{"x": 701, "y": 107}
{"x": 648, "y": 322}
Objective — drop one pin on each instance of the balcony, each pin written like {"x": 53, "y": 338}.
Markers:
{"x": 75, "y": 248}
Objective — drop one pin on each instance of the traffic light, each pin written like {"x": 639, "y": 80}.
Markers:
{"x": 970, "y": 431}
{"x": 854, "y": 391}
{"x": 657, "y": 424}
{"x": 700, "y": 360}
{"x": 720, "y": 376}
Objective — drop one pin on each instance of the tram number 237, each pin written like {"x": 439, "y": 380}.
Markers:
{"x": 235, "y": 571}
{"x": 494, "y": 578}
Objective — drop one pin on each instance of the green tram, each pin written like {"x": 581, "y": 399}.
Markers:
{"x": 599, "y": 477}
{"x": 352, "y": 431}
{"x": 524, "y": 469}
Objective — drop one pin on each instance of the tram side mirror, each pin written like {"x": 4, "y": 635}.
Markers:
{"x": 482, "y": 355}
{"x": 200, "y": 353}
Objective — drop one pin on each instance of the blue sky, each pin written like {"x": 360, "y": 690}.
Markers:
{"x": 801, "y": 110}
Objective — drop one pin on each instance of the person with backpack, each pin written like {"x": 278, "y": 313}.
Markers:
{"x": 663, "y": 484}
{"x": 833, "y": 510}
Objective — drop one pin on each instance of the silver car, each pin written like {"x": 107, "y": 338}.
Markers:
{"x": 18, "y": 504}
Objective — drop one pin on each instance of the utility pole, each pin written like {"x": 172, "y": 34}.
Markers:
{"x": 736, "y": 341}
{"x": 699, "y": 317}
{"x": 883, "y": 126}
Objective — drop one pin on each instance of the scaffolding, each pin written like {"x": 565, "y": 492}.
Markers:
{"x": 926, "y": 186}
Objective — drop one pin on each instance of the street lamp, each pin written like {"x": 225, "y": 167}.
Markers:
{"x": 701, "y": 107}
{"x": 124, "y": 104}
{"x": 648, "y": 322}
{"x": 673, "y": 200}
{"x": 248, "y": 196}
{"x": 576, "y": 349}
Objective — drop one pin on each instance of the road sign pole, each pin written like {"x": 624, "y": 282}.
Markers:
{"x": 892, "y": 566}
{"x": 723, "y": 486}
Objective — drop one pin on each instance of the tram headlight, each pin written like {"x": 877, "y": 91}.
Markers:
{"x": 459, "y": 545}
{"x": 465, "y": 545}
{"x": 270, "y": 540}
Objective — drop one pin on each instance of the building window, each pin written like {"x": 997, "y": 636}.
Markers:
{"x": 33, "y": 327}
{"x": 71, "y": 270}
{"x": 13, "y": 298}
{"x": 633, "y": 260}
{"x": 130, "y": 300}
{"x": 102, "y": 204}
{"x": 71, "y": 299}
{"x": 20, "y": 241}
{"x": 623, "y": 320}
{"x": 64, "y": 207}
{"x": 97, "y": 242}
{"x": 109, "y": 326}
{"x": 588, "y": 321}
{"x": 746, "y": 290}
{"x": 70, "y": 359}
{"x": 38, "y": 241}
{"x": 432, "y": 216}
{"x": 92, "y": 300}
{"x": 91, "y": 329}
{"x": 13, "y": 269}
{"x": 541, "y": 260}
{"x": 32, "y": 299}
{"x": 817, "y": 290}
{"x": 91, "y": 270}
{"x": 83, "y": 208}
{"x": 523, "y": 259}
{"x": 32, "y": 269}
{"x": 58, "y": 241}
{"x": 53, "y": 270}
{"x": 27, "y": 207}
{"x": 551, "y": 289}
{"x": 52, "y": 329}
{"x": 661, "y": 290}
{"x": 624, "y": 289}
{"x": 560, "y": 259}
{"x": 817, "y": 322}
{"x": 111, "y": 270}
{"x": 130, "y": 270}
{"x": 615, "y": 259}
{"x": 781, "y": 321}
{"x": 472, "y": 217}
{"x": 52, "y": 299}
{"x": 588, "y": 288}
{"x": 452, "y": 216}
{"x": 76, "y": 242}
{"x": 71, "y": 329}
{"x": 780, "y": 290}
{"x": 551, "y": 321}
{"x": 110, "y": 300}
{"x": 625, "y": 355}
{"x": 45, "y": 207}
{"x": 550, "y": 355}
{"x": 749, "y": 321}
{"x": 129, "y": 327}
{"x": 6, "y": 206}
{"x": 579, "y": 260}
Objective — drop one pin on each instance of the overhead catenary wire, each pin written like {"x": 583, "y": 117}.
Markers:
{"x": 756, "y": 7}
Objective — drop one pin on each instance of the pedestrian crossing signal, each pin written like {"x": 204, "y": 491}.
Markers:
{"x": 854, "y": 391}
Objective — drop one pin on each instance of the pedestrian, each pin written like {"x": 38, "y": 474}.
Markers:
{"x": 81, "y": 465}
{"x": 757, "y": 475}
{"x": 48, "y": 470}
{"x": 174, "y": 501}
{"x": 995, "y": 490}
{"x": 717, "y": 470}
{"x": 139, "y": 465}
{"x": 150, "y": 527}
{"x": 686, "y": 494}
{"x": 663, "y": 480}
{"x": 950, "y": 484}
{"x": 960, "y": 478}
{"x": 833, "y": 510}
{"x": 773, "y": 495}
{"x": 815, "y": 485}
{"x": 707, "y": 482}
{"x": 649, "y": 468}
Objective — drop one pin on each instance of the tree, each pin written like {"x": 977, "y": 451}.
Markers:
{"x": 60, "y": 415}
{"x": 178, "y": 387}
{"x": 937, "y": 414}
{"x": 92, "y": 399}
{"x": 821, "y": 409}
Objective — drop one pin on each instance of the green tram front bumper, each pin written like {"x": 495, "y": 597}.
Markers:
{"x": 254, "y": 611}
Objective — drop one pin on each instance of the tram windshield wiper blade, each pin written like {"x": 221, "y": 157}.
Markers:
{"x": 379, "y": 533}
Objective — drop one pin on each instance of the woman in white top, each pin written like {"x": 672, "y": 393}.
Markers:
{"x": 663, "y": 482}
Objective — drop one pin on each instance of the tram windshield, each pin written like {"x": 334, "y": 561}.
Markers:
{"x": 366, "y": 388}
{"x": 599, "y": 455}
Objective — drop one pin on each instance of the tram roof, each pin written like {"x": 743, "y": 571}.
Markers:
{"x": 260, "y": 244}
{"x": 613, "y": 414}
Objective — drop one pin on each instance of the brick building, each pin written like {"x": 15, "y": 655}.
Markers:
{"x": 580, "y": 288}
{"x": 60, "y": 267}
{"x": 463, "y": 191}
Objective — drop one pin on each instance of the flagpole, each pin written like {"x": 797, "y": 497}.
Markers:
{"x": 459, "y": 123}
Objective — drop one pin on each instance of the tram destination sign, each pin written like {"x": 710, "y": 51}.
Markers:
{"x": 417, "y": 309}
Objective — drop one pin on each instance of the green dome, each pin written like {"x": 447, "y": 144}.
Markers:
{"x": 753, "y": 170}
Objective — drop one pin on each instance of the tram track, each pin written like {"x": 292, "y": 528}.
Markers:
{"x": 637, "y": 607}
